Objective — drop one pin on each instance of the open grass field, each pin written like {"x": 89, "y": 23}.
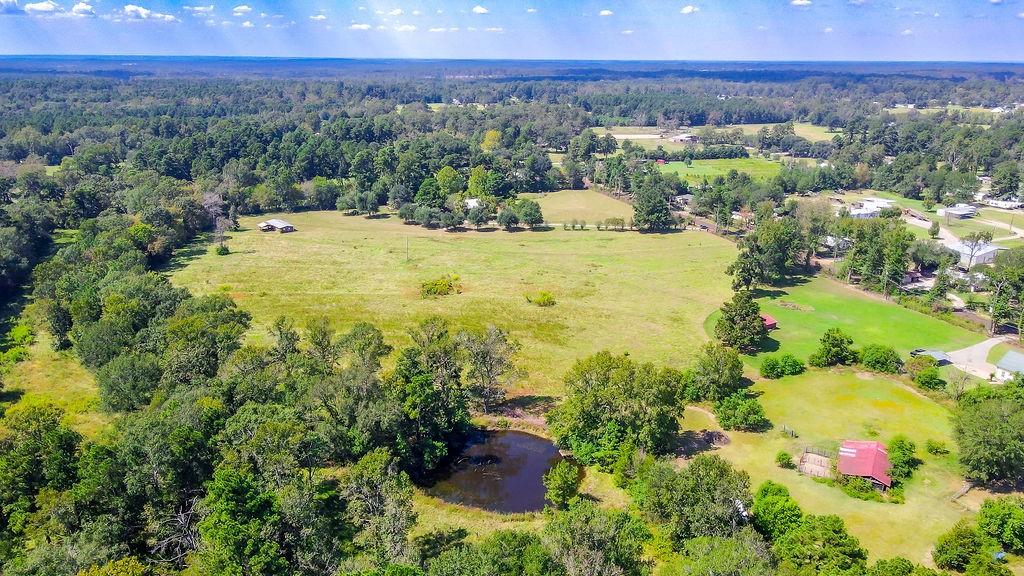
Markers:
{"x": 700, "y": 170}
{"x": 645, "y": 294}
{"x": 57, "y": 378}
{"x": 589, "y": 205}
{"x": 801, "y": 129}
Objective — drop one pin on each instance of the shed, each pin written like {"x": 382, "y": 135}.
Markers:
{"x": 275, "y": 224}
{"x": 1011, "y": 363}
{"x": 941, "y": 358}
{"x": 984, "y": 253}
{"x": 865, "y": 459}
{"x": 769, "y": 322}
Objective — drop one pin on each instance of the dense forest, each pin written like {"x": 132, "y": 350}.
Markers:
{"x": 299, "y": 456}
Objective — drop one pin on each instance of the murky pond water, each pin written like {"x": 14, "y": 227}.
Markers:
{"x": 500, "y": 470}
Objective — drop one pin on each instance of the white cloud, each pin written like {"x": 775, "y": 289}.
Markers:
{"x": 605, "y": 13}
{"x": 82, "y": 9}
{"x": 827, "y": 30}
{"x": 471, "y": 29}
{"x": 135, "y": 12}
{"x": 395, "y": 12}
{"x": 10, "y": 7}
{"x": 198, "y": 10}
{"x": 359, "y": 26}
{"x": 405, "y": 28}
{"x": 689, "y": 9}
{"x": 626, "y": 32}
{"x": 996, "y": 1}
{"x": 531, "y": 10}
{"x": 478, "y": 9}
{"x": 498, "y": 29}
{"x": 1021, "y": 15}
{"x": 800, "y": 2}
{"x": 361, "y": 8}
{"x": 247, "y": 24}
{"x": 318, "y": 17}
{"x": 856, "y": 2}
{"x": 417, "y": 13}
{"x": 241, "y": 10}
{"x": 907, "y": 32}
{"x": 437, "y": 29}
{"x": 44, "y": 7}
{"x": 453, "y": 29}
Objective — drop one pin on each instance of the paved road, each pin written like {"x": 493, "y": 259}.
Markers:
{"x": 974, "y": 359}
{"x": 946, "y": 238}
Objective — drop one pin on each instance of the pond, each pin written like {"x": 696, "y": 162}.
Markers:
{"x": 501, "y": 471}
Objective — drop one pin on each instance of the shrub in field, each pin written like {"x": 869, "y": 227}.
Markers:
{"x": 917, "y": 364}
{"x": 544, "y": 299}
{"x": 936, "y": 448}
{"x": 222, "y": 250}
{"x": 778, "y": 366}
{"x": 443, "y": 286}
{"x": 836, "y": 348}
{"x": 930, "y": 379}
{"x": 785, "y": 460}
{"x": 881, "y": 359}
{"x": 741, "y": 412}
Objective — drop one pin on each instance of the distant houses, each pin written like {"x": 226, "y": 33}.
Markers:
{"x": 871, "y": 207}
{"x": 276, "y": 225}
{"x": 865, "y": 459}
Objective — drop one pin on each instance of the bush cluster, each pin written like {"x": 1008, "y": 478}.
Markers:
{"x": 774, "y": 367}
{"x": 443, "y": 286}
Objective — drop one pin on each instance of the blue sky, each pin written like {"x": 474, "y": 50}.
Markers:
{"x": 990, "y": 30}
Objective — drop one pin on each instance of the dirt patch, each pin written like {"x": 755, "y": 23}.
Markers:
{"x": 794, "y": 306}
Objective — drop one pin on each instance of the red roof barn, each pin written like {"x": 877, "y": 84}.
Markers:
{"x": 769, "y": 322}
{"x": 866, "y": 459}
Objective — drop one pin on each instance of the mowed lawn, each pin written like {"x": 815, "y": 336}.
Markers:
{"x": 827, "y": 407}
{"x": 568, "y": 205}
{"x": 806, "y": 310}
{"x": 645, "y": 294}
{"x": 699, "y": 170}
{"x": 824, "y": 407}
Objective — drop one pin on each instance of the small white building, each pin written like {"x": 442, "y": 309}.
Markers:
{"x": 275, "y": 224}
{"x": 1011, "y": 363}
{"x": 972, "y": 255}
{"x": 1005, "y": 204}
{"x": 959, "y": 211}
{"x": 864, "y": 212}
{"x": 685, "y": 138}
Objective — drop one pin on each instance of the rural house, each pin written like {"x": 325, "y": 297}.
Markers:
{"x": 275, "y": 224}
{"x": 769, "y": 322}
{"x": 865, "y": 459}
{"x": 1011, "y": 363}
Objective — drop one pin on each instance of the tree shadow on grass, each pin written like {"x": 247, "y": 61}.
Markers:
{"x": 690, "y": 443}
{"x": 769, "y": 344}
{"x": 530, "y": 404}
{"x": 187, "y": 254}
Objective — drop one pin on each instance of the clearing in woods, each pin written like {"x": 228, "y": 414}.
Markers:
{"x": 621, "y": 291}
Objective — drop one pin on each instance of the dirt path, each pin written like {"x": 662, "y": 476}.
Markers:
{"x": 946, "y": 237}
